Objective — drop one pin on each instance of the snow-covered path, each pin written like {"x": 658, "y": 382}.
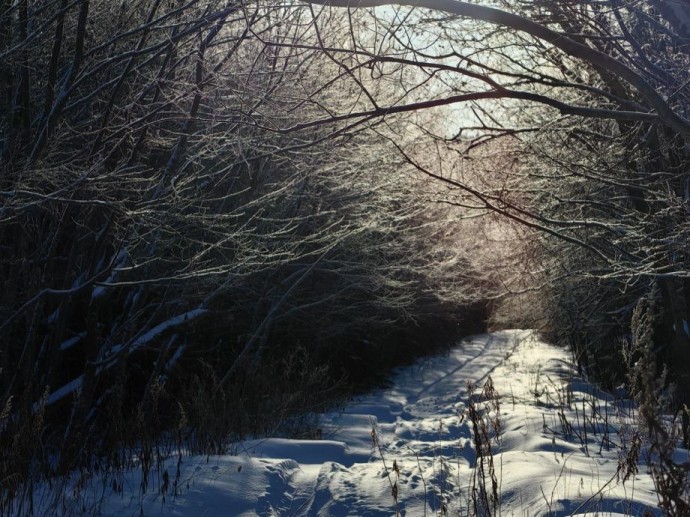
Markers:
{"x": 419, "y": 426}
{"x": 557, "y": 454}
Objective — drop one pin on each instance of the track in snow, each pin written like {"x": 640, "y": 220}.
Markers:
{"x": 421, "y": 424}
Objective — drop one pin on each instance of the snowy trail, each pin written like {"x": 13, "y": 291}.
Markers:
{"x": 418, "y": 424}
{"x": 550, "y": 460}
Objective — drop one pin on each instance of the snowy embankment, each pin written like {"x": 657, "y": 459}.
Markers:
{"x": 558, "y": 450}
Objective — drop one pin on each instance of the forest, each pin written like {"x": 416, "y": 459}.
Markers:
{"x": 217, "y": 217}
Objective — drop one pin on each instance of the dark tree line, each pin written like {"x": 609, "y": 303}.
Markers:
{"x": 174, "y": 265}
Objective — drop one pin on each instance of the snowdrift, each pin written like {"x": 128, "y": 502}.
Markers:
{"x": 549, "y": 444}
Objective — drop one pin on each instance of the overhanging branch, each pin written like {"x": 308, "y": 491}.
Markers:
{"x": 558, "y": 40}
{"x": 501, "y": 93}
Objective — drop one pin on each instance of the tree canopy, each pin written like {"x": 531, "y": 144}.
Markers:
{"x": 198, "y": 195}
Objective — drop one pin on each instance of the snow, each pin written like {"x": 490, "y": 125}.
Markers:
{"x": 65, "y": 390}
{"x": 152, "y": 334}
{"x": 69, "y": 343}
{"x": 557, "y": 454}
